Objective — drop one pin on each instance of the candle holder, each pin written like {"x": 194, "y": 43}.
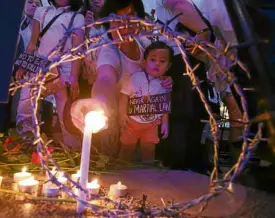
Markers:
{"x": 117, "y": 190}
{"x": 93, "y": 187}
{"x": 50, "y": 190}
{"x": 28, "y": 186}
{"x": 20, "y": 176}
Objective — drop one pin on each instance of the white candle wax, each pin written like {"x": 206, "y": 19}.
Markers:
{"x": 76, "y": 176}
{"x": 94, "y": 122}
{"x": 17, "y": 177}
{"x": 118, "y": 190}
{"x": 50, "y": 190}
{"x": 93, "y": 187}
{"x": 1, "y": 178}
{"x": 84, "y": 166}
{"x": 63, "y": 180}
{"x": 29, "y": 185}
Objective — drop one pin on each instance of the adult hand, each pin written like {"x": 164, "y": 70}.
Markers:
{"x": 20, "y": 73}
{"x": 89, "y": 18}
{"x": 80, "y": 108}
{"x": 167, "y": 82}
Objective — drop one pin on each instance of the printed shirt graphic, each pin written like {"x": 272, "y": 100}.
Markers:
{"x": 139, "y": 85}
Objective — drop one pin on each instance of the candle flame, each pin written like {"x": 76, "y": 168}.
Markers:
{"x": 60, "y": 174}
{"x": 119, "y": 183}
{"x": 94, "y": 182}
{"x": 53, "y": 169}
{"x": 24, "y": 169}
{"x": 78, "y": 173}
{"x": 95, "y": 121}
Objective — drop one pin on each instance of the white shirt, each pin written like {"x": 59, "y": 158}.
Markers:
{"x": 124, "y": 66}
{"x": 89, "y": 71}
{"x": 56, "y": 32}
{"x": 217, "y": 14}
{"x": 138, "y": 85}
{"x": 26, "y": 33}
{"x": 163, "y": 14}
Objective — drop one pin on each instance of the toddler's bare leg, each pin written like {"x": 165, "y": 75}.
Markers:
{"x": 126, "y": 152}
{"x": 147, "y": 152}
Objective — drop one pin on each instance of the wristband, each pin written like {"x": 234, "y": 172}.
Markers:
{"x": 202, "y": 31}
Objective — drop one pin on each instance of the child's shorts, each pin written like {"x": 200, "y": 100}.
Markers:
{"x": 145, "y": 132}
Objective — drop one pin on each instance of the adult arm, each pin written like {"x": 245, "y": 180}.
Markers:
{"x": 190, "y": 17}
{"x": 78, "y": 38}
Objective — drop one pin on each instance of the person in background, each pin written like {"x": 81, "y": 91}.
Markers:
{"x": 27, "y": 21}
{"x": 182, "y": 149}
{"x": 8, "y": 111}
{"x": 66, "y": 14}
{"x": 144, "y": 85}
{"x": 91, "y": 11}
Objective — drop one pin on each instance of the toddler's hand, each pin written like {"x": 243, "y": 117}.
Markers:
{"x": 123, "y": 120}
{"x": 164, "y": 130}
{"x": 167, "y": 82}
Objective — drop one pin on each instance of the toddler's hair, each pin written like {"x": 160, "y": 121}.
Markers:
{"x": 159, "y": 45}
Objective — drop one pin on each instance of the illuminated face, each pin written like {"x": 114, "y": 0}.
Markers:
{"x": 30, "y": 7}
{"x": 157, "y": 62}
{"x": 62, "y": 3}
{"x": 130, "y": 11}
{"x": 96, "y": 5}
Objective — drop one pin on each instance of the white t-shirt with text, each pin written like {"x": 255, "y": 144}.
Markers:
{"x": 124, "y": 66}
{"x": 141, "y": 85}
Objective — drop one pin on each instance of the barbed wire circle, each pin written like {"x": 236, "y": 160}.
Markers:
{"x": 145, "y": 28}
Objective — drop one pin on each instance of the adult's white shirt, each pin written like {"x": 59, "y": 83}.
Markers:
{"x": 56, "y": 32}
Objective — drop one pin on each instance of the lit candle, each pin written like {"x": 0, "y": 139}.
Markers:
{"x": 94, "y": 122}
{"x": 50, "y": 190}
{"x": 29, "y": 185}
{"x": 93, "y": 187}
{"x": 76, "y": 176}
{"x": 1, "y": 178}
{"x": 61, "y": 178}
{"x": 53, "y": 172}
{"x": 22, "y": 175}
{"x": 118, "y": 190}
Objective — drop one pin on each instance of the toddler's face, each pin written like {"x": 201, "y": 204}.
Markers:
{"x": 157, "y": 62}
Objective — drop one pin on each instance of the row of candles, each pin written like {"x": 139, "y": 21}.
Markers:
{"x": 26, "y": 183}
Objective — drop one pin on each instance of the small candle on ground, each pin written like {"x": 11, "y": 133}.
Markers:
{"x": 29, "y": 185}
{"x": 50, "y": 190}
{"x": 22, "y": 175}
{"x": 93, "y": 187}
{"x": 117, "y": 190}
{"x": 76, "y": 176}
{"x": 61, "y": 178}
